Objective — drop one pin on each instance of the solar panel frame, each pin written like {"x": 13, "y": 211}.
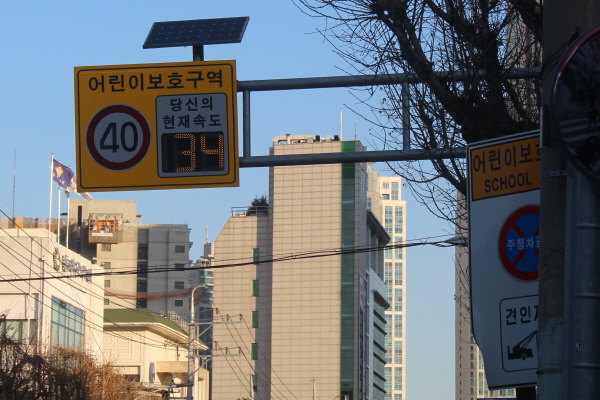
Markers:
{"x": 197, "y": 32}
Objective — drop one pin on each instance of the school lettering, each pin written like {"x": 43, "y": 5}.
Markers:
{"x": 503, "y": 183}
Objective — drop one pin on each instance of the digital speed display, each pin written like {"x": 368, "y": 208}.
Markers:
{"x": 192, "y": 138}
{"x": 192, "y": 152}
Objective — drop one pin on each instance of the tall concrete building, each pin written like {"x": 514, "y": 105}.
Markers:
{"x": 111, "y": 233}
{"x": 384, "y": 198}
{"x": 299, "y": 305}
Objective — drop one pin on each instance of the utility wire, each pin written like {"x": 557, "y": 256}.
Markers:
{"x": 71, "y": 285}
{"x": 270, "y": 366}
{"x": 287, "y": 257}
{"x": 248, "y": 361}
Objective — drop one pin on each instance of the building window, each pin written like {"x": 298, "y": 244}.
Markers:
{"x": 255, "y": 287}
{"x": 369, "y": 203}
{"x": 398, "y": 274}
{"x": 397, "y": 325}
{"x": 141, "y": 303}
{"x": 106, "y": 264}
{"x": 385, "y": 196}
{"x": 16, "y": 329}
{"x": 142, "y": 286}
{"x": 254, "y": 351}
{"x": 387, "y": 253}
{"x": 179, "y": 249}
{"x": 179, "y": 267}
{"x": 254, "y": 380}
{"x": 178, "y": 303}
{"x": 364, "y": 185}
{"x": 142, "y": 270}
{"x": 142, "y": 251}
{"x": 106, "y": 302}
{"x": 397, "y": 396}
{"x": 106, "y": 283}
{"x": 179, "y": 285}
{"x": 385, "y": 185}
{"x": 397, "y": 299}
{"x": 397, "y": 352}
{"x": 106, "y": 247}
{"x": 67, "y": 324}
{"x": 255, "y": 255}
{"x": 254, "y": 319}
{"x": 387, "y": 273}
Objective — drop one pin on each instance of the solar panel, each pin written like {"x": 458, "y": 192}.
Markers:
{"x": 196, "y": 32}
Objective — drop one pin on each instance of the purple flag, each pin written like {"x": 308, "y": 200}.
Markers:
{"x": 61, "y": 174}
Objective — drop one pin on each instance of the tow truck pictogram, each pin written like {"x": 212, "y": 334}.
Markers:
{"x": 520, "y": 350}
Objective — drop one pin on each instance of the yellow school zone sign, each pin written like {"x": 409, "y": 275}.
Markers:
{"x": 506, "y": 168}
{"x": 156, "y": 126}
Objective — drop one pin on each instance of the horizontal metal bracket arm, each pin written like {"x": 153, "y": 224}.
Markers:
{"x": 351, "y": 157}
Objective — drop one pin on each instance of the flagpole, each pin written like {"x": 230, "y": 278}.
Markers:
{"x": 58, "y": 217}
{"x": 68, "y": 225}
{"x": 14, "y": 187}
{"x": 50, "y": 207}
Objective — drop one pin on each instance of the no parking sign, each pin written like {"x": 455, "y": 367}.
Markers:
{"x": 504, "y": 222}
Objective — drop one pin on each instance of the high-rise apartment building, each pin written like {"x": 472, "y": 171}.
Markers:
{"x": 384, "y": 198}
{"x": 299, "y": 305}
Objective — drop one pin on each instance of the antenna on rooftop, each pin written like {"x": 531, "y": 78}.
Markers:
{"x": 340, "y": 123}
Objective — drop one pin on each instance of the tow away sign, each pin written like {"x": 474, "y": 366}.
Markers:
{"x": 504, "y": 181}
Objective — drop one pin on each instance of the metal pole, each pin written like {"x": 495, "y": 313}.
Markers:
{"x": 582, "y": 289}
{"x": 49, "y": 222}
{"x": 191, "y": 334}
{"x": 566, "y": 356}
{"x": 405, "y": 118}
{"x": 246, "y": 151}
{"x": 552, "y": 226}
{"x": 198, "y": 53}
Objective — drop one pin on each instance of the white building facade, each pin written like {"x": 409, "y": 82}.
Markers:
{"x": 385, "y": 200}
{"x": 46, "y": 296}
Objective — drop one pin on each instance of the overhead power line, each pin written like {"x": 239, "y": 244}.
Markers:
{"x": 287, "y": 257}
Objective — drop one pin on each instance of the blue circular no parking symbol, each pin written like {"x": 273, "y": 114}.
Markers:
{"x": 519, "y": 243}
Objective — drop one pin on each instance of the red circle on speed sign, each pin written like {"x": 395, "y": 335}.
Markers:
{"x": 118, "y": 137}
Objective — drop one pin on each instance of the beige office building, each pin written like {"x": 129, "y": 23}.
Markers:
{"x": 299, "y": 308}
{"x": 111, "y": 233}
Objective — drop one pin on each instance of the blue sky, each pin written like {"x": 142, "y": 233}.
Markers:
{"x": 44, "y": 41}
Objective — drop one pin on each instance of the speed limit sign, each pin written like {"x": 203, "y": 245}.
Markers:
{"x": 118, "y": 137}
{"x": 156, "y": 126}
